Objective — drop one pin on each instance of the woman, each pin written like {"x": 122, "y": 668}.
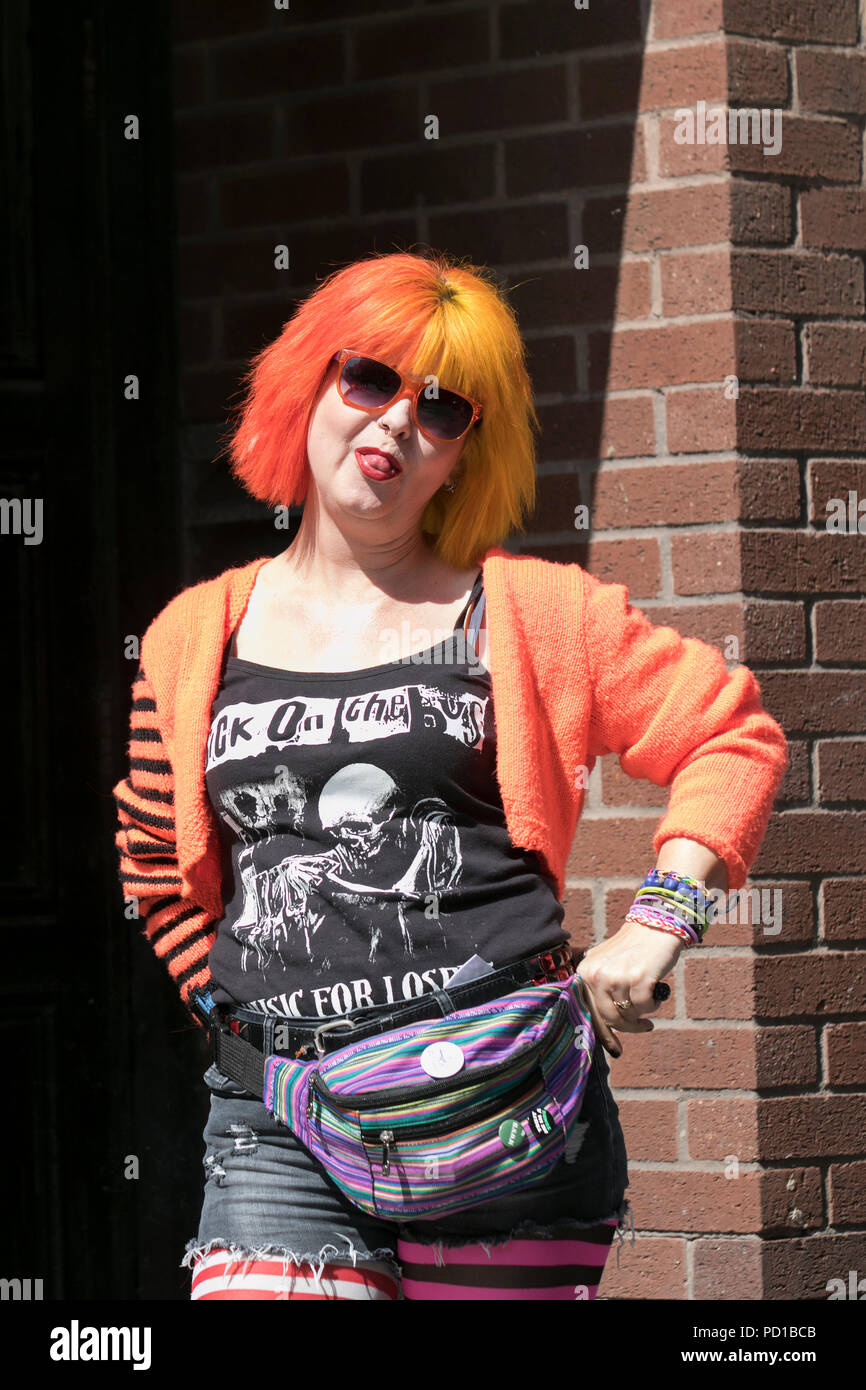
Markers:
{"x": 323, "y": 822}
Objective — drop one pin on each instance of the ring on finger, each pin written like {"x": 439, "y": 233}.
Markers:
{"x": 622, "y": 1003}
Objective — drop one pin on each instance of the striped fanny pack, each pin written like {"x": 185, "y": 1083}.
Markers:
{"x": 442, "y": 1115}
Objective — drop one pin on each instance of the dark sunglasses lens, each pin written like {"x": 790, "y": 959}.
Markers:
{"x": 367, "y": 383}
{"x": 446, "y": 416}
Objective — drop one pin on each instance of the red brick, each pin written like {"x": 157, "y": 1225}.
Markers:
{"x": 658, "y": 218}
{"x": 695, "y": 352}
{"x": 834, "y": 217}
{"x": 802, "y": 1270}
{"x": 652, "y": 1267}
{"x": 768, "y": 489}
{"x": 508, "y": 233}
{"x": 635, "y": 563}
{"x": 595, "y": 296}
{"x": 717, "y": 1128}
{"x": 578, "y": 917}
{"x": 839, "y": 628}
{"x": 787, "y": 1056}
{"x": 795, "y": 283}
{"x": 836, "y": 353}
{"x": 847, "y": 1194}
{"x": 617, "y": 427}
{"x": 683, "y": 1200}
{"x": 843, "y": 910}
{"x": 661, "y": 356}
{"x": 834, "y": 21}
{"x": 800, "y": 419}
{"x": 260, "y": 200}
{"x": 719, "y": 986}
{"x": 706, "y": 563}
{"x": 564, "y": 30}
{"x": 815, "y": 983}
{"x": 606, "y": 846}
{"x": 700, "y": 421}
{"x": 696, "y": 283}
{"x": 675, "y": 19}
{"x": 727, "y": 1270}
{"x": 811, "y": 147}
{"x": 796, "y": 788}
{"x": 593, "y": 156}
{"x": 795, "y": 694}
{"x": 779, "y": 561}
{"x": 450, "y": 174}
{"x": 774, "y": 631}
{"x": 687, "y": 1058}
{"x": 830, "y": 481}
{"x": 662, "y": 494}
{"x": 845, "y": 1048}
{"x": 618, "y": 789}
{"x": 760, "y": 213}
{"x": 650, "y": 1129}
{"x": 423, "y": 42}
{"x": 842, "y": 770}
{"x": 757, "y": 75}
{"x": 829, "y": 81}
{"x": 680, "y": 160}
{"x": 501, "y": 99}
{"x": 811, "y": 842}
{"x": 812, "y": 1126}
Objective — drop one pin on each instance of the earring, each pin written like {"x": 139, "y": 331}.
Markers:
{"x": 449, "y": 486}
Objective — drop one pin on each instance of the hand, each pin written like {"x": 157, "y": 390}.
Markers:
{"x": 626, "y": 966}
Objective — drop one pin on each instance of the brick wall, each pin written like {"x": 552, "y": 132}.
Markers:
{"x": 700, "y": 388}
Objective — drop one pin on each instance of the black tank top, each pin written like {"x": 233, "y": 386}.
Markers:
{"x": 365, "y": 847}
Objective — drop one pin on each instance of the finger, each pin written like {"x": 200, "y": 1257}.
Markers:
{"x": 602, "y": 1029}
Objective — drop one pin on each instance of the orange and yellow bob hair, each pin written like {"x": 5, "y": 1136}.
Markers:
{"x": 423, "y": 315}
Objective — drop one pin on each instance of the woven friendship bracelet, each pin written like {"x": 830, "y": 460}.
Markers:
{"x": 662, "y": 923}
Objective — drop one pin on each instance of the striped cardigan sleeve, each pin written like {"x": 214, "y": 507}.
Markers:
{"x": 180, "y": 932}
{"x": 675, "y": 715}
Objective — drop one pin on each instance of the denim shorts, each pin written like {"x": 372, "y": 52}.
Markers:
{"x": 266, "y": 1195}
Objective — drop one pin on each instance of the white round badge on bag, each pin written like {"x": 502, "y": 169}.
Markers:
{"x": 442, "y": 1059}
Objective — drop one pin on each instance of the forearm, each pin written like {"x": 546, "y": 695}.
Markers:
{"x": 695, "y": 860}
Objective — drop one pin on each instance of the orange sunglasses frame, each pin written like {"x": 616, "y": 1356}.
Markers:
{"x": 404, "y": 389}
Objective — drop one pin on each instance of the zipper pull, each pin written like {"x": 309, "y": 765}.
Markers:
{"x": 310, "y": 1098}
{"x": 387, "y": 1138}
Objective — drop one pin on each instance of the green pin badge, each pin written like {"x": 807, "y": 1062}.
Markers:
{"x": 512, "y": 1134}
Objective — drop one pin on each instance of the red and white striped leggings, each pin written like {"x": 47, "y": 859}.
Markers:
{"x": 533, "y": 1269}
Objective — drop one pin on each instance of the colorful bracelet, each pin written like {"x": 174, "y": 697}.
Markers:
{"x": 679, "y": 894}
{"x": 660, "y": 923}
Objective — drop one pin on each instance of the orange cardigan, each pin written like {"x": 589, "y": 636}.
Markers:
{"x": 576, "y": 672}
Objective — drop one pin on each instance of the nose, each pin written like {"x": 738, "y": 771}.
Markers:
{"x": 398, "y": 414}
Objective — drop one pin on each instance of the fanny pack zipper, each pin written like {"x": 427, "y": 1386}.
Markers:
{"x": 428, "y": 1129}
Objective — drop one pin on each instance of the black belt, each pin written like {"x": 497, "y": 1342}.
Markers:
{"x": 239, "y": 1035}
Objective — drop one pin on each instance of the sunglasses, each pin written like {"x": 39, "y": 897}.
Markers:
{"x": 370, "y": 385}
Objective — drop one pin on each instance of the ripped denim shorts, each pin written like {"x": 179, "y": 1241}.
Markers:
{"x": 266, "y": 1195}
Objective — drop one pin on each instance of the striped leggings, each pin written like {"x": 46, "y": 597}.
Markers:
{"x": 563, "y": 1268}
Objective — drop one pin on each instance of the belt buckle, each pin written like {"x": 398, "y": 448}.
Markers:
{"x": 329, "y": 1027}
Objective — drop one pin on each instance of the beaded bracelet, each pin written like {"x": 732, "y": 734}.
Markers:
{"x": 672, "y": 902}
{"x": 679, "y": 894}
